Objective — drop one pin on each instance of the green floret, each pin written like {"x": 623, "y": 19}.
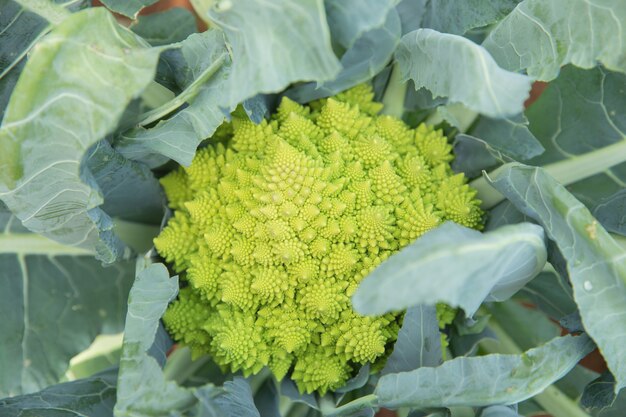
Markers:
{"x": 277, "y": 223}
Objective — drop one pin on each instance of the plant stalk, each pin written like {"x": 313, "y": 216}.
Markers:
{"x": 179, "y": 366}
{"x": 393, "y": 99}
{"x": 551, "y": 399}
{"x": 565, "y": 172}
{"x": 156, "y": 95}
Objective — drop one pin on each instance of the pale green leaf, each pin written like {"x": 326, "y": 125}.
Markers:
{"x": 143, "y": 354}
{"x": 19, "y": 30}
{"x": 274, "y": 44}
{"x": 130, "y": 190}
{"x": 595, "y": 262}
{"x": 54, "y": 301}
{"x": 484, "y": 380}
{"x": 541, "y": 36}
{"x": 128, "y": 8}
{"x": 456, "y": 265}
{"x": 433, "y": 60}
{"x": 72, "y": 92}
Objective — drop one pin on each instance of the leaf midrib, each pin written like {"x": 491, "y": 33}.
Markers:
{"x": 32, "y": 244}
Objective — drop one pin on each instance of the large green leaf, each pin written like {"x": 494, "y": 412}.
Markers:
{"x": 595, "y": 262}
{"x": 54, "y": 300}
{"x": 130, "y": 190}
{"x": 509, "y": 136}
{"x": 456, "y": 265}
{"x": 72, "y": 92}
{"x": 169, "y": 26}
{"x": 274, "y": 44}
{"x": 484, "y": 380}
{"x": 129, "y": 8}
{"x": 455, "y": 67}
{"x": 93, "y": 397}
{"x": 205, "y": 78}
{"x": 367, "y": 56}
{"x": 581, "y": 112}
{"x": 541, "y": 36}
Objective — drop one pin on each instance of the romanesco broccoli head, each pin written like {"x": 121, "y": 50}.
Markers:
{"x": 276, "y": 224}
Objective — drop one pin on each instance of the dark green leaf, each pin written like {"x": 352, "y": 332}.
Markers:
{"x": 600, "y": 393}
{"x": 54, "y": 301}
{"x": 170, "y": 26}
{"x": 267, "y": 399}
{"x": 72, "y": 92}
{"x": 348, "y": 20}
{"x": 431, "y": 59}
{"x": 129, "y": 8}
{"x": 130, "y": 190}
{"x": 419, "y": 341}
{"x": 551, "y": 293}
{"x": 581, "y": 112}
{"x": 93, "y": 397}
{"x": 595, "y": 262}
{"x": 484, "y": 380}
{"x": 357, "y": 381}
{"x": 509, "y": 136}
{"x": 457, "y": 17}
{"x": 455, "y": 265}
{"x": 473, "y": 155}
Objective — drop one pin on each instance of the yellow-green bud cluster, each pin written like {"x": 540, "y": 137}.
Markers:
{"x": 276, "y": 224}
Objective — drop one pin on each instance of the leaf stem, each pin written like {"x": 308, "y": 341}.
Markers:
{"x": 551, "y": 399}
{"x": 187, "y": 95}
{"x": 393, "y": 99}
{"x": 156, "y": 95}
{"x": 567, "y": 171}
{"x": 362, "y": 403}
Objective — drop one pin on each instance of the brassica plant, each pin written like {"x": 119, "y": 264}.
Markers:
{"x": 330, "y": 208}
